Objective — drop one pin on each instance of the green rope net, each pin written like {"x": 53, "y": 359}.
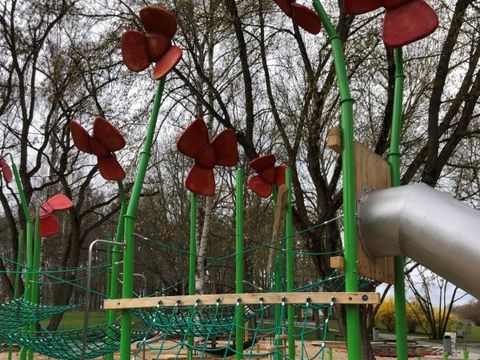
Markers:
{"x": 211, "y": 320}
{"x": 68, "y": 344}
{"x": 215, "y": 335}
{"x": 17, "y": 313}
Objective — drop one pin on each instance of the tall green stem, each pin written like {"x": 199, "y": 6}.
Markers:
{"x": 348, "y": 170}
{"x": 192, "y": 259}
{"x": 18, "y": 270}
{"x": 36, "y": 259}
{"x": 115, "y": 259}
{"x": 239, "y": 262}
{"x": 129, "y": 253}
{"x": 277, "y": 281}
{"x": 290, "y": 262}
{"x": 394, "y": 161}
{"x": 18, "y": 267}
{"x": 28, "y": 237}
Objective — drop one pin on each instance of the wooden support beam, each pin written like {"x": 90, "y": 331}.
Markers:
{"x": 334, "y": 139}
{"x": 247, "y": 299}
{"x": 278, "y": 221}
{"x": 337, "y": 262}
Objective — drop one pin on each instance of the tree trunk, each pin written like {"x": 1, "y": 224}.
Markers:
{"x": 202, "y": 248}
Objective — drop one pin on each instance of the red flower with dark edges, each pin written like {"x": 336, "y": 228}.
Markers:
{"x": 406, "y": 21}
{"x": 140, "y": 50}
{"x": 6, "y": 171}
{"x": 301, "y": 15}
{"x": 222, "y": 151}
{"x": 105, "y": 140}
{"x": 49, "y": 225}
{"x": 268, "y": 175}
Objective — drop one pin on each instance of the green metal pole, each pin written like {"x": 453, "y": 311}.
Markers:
{"x": 115, "y": 258}
{"x": 192, "y": 259}
{"x": 36, "y": 260}
{"x": 348, "y": 170}
{"x": 394, "y": 161}
{"x": 28, "y": 273}
{"x": 18, "y": 267}
{"x": 129, "y": 252}
{"x": 290, "y": 263}
{"x": 239, "y": 262}
{"x": 277, "y": 282}
{"x": 34, "y": 271}
{"x": 18, "y": 270}
{"x": 29, "y": 239}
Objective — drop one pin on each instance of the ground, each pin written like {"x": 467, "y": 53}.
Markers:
{"x": 311, "y": 348}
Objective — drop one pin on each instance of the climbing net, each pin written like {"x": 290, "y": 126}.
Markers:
{"x": 206, "y": 331}
{"x": 17, "y": 313}
{"x": 68, "y": 344}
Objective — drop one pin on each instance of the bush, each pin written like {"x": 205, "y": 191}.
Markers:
{"x": 386, "y": 315}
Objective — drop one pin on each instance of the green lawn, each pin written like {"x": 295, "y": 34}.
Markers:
{"x": 74, "y": 319}
{"x": 474, "y": 336}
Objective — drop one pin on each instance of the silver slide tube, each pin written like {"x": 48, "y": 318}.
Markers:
{"x": 437, "y": 231}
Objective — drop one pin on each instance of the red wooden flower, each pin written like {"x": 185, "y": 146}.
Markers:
{"x": 195, "y": 143}
{"x": 406, "y": 21}
{"x": 302, "y": 16}
{"x": 268, "y": 175}
{"x": 105, "y": 140}
{"x": 6, "y": 171}
{"x": 49, "y": 225}
{"x": 139, "y": 50}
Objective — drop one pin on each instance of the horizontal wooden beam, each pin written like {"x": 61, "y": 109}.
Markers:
{"x": 248, "y": 299}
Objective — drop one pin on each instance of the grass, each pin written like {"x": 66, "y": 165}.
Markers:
{"x": 74, "y": 319}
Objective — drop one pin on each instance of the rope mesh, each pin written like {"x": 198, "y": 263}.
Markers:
{"x": 19, "y": 312}
{"x": 68, "y": 344}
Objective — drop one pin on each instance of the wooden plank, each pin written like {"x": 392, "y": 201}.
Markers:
{"x": 247, "y": 298}
{"x": 337, "y": 262}
{"x": 373, "y": 173}
{"x": 278, "y": 222}
{"x": 334, "y": 139}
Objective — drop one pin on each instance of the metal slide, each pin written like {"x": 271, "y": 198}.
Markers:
{"x": 437, "y": 231}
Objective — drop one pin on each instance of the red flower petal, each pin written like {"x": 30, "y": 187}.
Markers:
{"x": 98, "y": 149}
{"x": 207, "y": 157}
{"x": 286, "y": 6}
{"x": 6, "y": 171}
{"x": 168, "y": 61}
{"x": 408, "y": 23}
{"x": 280, "y": 174}
{"x": 226, "y": 150}
{"x": 263, "y": 162}
{"x": 45, "y": 210}
{"x": 268, "y": 175}
{"x": 135, "y": 50}
{"x": 260, "y": 186}
{"x": 306, "y": 18}
{"x": 201, "y": 181}
{"x": 108, "y": 135}
{"x": 60, "y": 202}
{"x": 156, "y": 19}
{"x": 110, "y": 168}
{"x": 49, "y": 226}
{"x": 356, "y": 7}
{"x": 194, "y": 138}
{"x": 81, "y": 138}
{"x": 391, "y": 4}
{"x": 157, "y": 46}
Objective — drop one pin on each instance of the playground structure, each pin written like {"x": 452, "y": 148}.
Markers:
{"x": 233, "y": 324}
